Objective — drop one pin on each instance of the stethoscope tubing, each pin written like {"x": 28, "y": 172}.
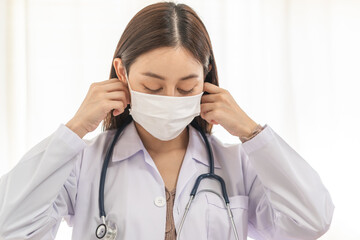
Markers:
{"x": 211, "y": 174}
{"x": 226, "y": 205}
{"x": 105, "y": 165}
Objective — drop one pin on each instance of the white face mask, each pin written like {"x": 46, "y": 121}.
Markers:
{"x": 164, "y": 117}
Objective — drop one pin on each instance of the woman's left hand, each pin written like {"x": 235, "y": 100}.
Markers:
{"x": 219, "y": 107}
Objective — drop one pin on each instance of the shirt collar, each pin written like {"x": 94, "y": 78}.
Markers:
{"x": 129, "y": 143}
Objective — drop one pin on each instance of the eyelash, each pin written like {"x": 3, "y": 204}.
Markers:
{"x": 157, "y": 90}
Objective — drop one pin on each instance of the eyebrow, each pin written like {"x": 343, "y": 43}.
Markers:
{"x": 150, "y": 74}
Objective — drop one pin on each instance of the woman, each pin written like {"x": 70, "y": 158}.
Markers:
{"x": 164, "y": 76}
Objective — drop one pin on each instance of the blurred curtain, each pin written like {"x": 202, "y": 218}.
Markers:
{"x": 13, "y": 82}
{"x": 293, "y": 64}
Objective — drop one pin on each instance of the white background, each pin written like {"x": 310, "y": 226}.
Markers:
{"x": 293, "y": 64}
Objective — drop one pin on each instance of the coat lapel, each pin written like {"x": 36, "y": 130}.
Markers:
{"x": 196, "y": 153}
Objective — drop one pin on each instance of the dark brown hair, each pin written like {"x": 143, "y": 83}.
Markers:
{"x": 164, "y": 24}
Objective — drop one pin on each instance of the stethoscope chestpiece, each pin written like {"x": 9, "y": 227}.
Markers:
{"x": 106, "y": 230}
{"x": 101, "y": 231}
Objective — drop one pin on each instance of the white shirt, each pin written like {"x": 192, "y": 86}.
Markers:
{"x": 274, "y": 193}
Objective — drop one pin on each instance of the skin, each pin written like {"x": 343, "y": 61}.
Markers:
{"x": 219, "y": 107}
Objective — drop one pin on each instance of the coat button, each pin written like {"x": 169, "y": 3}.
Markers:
{"x": 160, "y": 201}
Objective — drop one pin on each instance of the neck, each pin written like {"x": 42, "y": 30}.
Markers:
{"x": 157, "y": 146}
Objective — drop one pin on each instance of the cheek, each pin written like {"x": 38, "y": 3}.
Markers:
{"x": 198, "y": 90}
{"x": 199, "y": 87}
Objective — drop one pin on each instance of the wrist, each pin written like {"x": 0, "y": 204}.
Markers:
{"x": 247, "y": 129}
{"x": 76, "y": 127}
{"x": 250, "y": 132}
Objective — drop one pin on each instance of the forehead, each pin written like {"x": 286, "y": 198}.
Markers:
{"x": 167, "y": 61}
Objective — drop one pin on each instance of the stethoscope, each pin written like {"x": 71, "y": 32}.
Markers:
{"x": 108, "y": 229}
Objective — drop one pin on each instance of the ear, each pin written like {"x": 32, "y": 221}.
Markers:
{"x": 119, "y": 69}
{"x": 208, "y": 70}
{"x": 209, "y": 67}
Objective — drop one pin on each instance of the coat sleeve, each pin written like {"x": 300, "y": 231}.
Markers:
{"x": 287, "y": 199}
{"x": 41, "y": 188}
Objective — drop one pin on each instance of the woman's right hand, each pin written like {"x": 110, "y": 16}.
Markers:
{"x": 101, "y": 98}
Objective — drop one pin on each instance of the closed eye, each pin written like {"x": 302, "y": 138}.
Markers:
{"x": 151, "y": 90}
{"x": 186, "y": 92}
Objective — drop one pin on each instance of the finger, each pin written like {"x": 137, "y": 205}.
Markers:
{"x": 206, "y": 107}
{"x": 208, "y": 98}
{"x": 116, "y": 86}
{"x": 95, "y": 86}
{"x": 212, "y": 88}
{"x": 119, "y": 105}
{"x": 210, "y": 116}
{"x": 111, "y": 80}
{"x": 114, "y": 80}
{"x": 117, "y": 112}
{"x": 118, "y": 95}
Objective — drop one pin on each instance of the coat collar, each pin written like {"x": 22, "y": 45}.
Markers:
{"x": 129, "y": 143}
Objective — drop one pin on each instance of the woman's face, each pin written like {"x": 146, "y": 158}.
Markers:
{"x": 167, "y": 71}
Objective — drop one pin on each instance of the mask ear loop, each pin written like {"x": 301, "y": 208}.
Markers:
{"x": 128, "y": 83}
{"x": 127, "y": 80}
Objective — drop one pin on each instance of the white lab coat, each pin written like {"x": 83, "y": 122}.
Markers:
{"x": 274, "y": 193}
